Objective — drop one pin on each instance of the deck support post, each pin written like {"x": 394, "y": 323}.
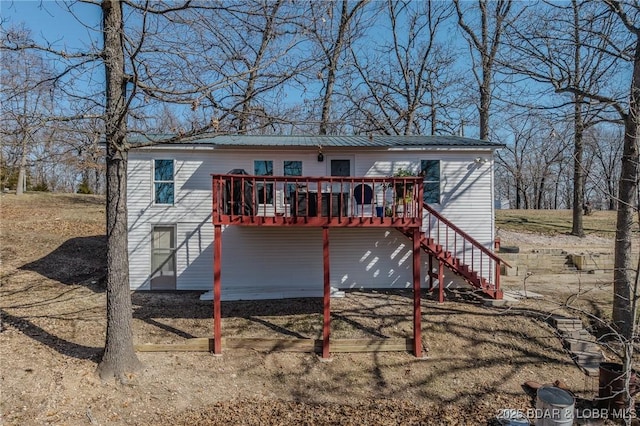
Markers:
{"x": 217, "y": 269}
{"x": 326, "y": 324}
{"x": 440, "y": 281}
{"x": 417, "y": 315}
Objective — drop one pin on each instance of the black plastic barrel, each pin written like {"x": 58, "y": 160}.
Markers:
{"x": 611, "y": 386}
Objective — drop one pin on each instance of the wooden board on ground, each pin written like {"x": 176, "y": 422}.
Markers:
{"x": 205, "y": 344}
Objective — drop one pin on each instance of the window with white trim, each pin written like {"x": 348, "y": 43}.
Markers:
{"x": 430, "y": 171}
{"x": 163, "y": 182}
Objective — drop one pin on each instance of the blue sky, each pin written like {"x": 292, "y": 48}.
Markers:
{"x": 51, "y": 21}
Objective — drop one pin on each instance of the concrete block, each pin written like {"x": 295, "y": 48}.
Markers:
{"x": 581, "y": 334}
{"x": 568, "y": 327}
{"x": 575, "y": 345}
{"x": 556, "y": 320}
{"x": 505, "y": 301}
{"x": 587, "y": 358}
{"x": 591, "y": 370}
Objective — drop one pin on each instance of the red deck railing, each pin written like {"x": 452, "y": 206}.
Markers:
{"x": 317, "y": 201}
{"x": 473, "y": 260}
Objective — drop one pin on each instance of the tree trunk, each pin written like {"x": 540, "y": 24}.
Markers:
{"x": 578, "y": 173}
{"x": 332, "y": 67}
{"x": 612, "y": 203}
{"x": 485, "y": 103}
{"x": 119, "y": 356}
{"x": 21, "y": 185}
{"x": 624, "y": 314}
{"x": 249, "y": 93}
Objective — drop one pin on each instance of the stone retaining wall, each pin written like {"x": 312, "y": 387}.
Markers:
{"x": 557, "y": 261}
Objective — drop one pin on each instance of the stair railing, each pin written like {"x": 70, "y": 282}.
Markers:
{"x": 466, "y": 249}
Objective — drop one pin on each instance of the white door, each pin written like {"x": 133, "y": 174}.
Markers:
{"x": 163, "y": 258}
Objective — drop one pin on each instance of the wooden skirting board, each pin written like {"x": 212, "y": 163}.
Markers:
{"x": 205, "y": 344}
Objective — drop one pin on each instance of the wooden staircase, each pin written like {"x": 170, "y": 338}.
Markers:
{"x": 449, "y": 246}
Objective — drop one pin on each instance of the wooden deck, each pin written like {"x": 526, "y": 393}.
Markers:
{"x": 326, "y": 202}
{"x": 330, "y": 202}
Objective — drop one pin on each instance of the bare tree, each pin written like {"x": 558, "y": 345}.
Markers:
{"x": 119, "y": 356}
{"x": 405, "y": 81}
{"x": 27, "y": 102}
{"x": 625, "y": 272}
{"x": 606, "y": 147}
{"x": 152, "y": 54}
{"x": 484, "y": 40}
{"x": 333, "y": 27}
{"x": 260, "y": 44}
{"x": 544, "y": 50}
{"x": 141, "y": 63}
{"x": 512, "y": 162}
{"x": 533, "y": 160}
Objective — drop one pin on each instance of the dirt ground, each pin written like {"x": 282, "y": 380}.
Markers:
{"x": 52, "y": 304}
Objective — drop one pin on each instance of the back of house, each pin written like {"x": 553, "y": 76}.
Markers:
{"x": 170, "y": 205}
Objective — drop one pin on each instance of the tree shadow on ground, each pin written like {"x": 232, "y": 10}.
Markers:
{"x": 62, "y": 346}
{"x": 186, "y": 304}
{"x": 155, "y": 307}
{"x": 462, "y": 336}
{"x": 77, "y": 261}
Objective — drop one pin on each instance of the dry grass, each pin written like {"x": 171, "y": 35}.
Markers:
{"x": 53, "y": 312}
{"x": 554, "y": 222}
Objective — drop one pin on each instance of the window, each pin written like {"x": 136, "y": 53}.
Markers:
{"x": 163, "y": 258}
{"x": 163, "y": 181}
{"x": 340, "y": 167}
{"x": 292, "y": 168}
{"x": 264, "y": 191}
{"x": 430, "y": 170}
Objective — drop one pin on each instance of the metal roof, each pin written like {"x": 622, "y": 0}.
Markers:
{"x": 284, "y": 141}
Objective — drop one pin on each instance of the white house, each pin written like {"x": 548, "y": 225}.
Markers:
{"x": 274, "y": 249}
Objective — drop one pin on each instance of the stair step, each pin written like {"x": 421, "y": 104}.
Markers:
{"x": 454, "y": 264}
{"x": 575, "y": 345}
{"x": 587, "y": 357}
{"x": 581, "y": 334}
{"x": 557, "y": 320}
{"x": 591, "y": 369}
{"x": 568, "y": 327}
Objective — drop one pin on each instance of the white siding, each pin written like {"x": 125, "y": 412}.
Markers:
{"x": 283, "y": 261}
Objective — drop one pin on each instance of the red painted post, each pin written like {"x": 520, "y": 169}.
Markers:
{"x": 217, "y": 269}
{"x": 215, "y": 213}
{"x": 326, "y": 325}
{"x": 440, "y": 281}
{"x": 417, "y": 315}
{"x": 498, "y": 293}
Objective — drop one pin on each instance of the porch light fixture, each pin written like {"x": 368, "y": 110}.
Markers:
{"x": 320, "y": 154}
{"x": 480, "y": 160}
